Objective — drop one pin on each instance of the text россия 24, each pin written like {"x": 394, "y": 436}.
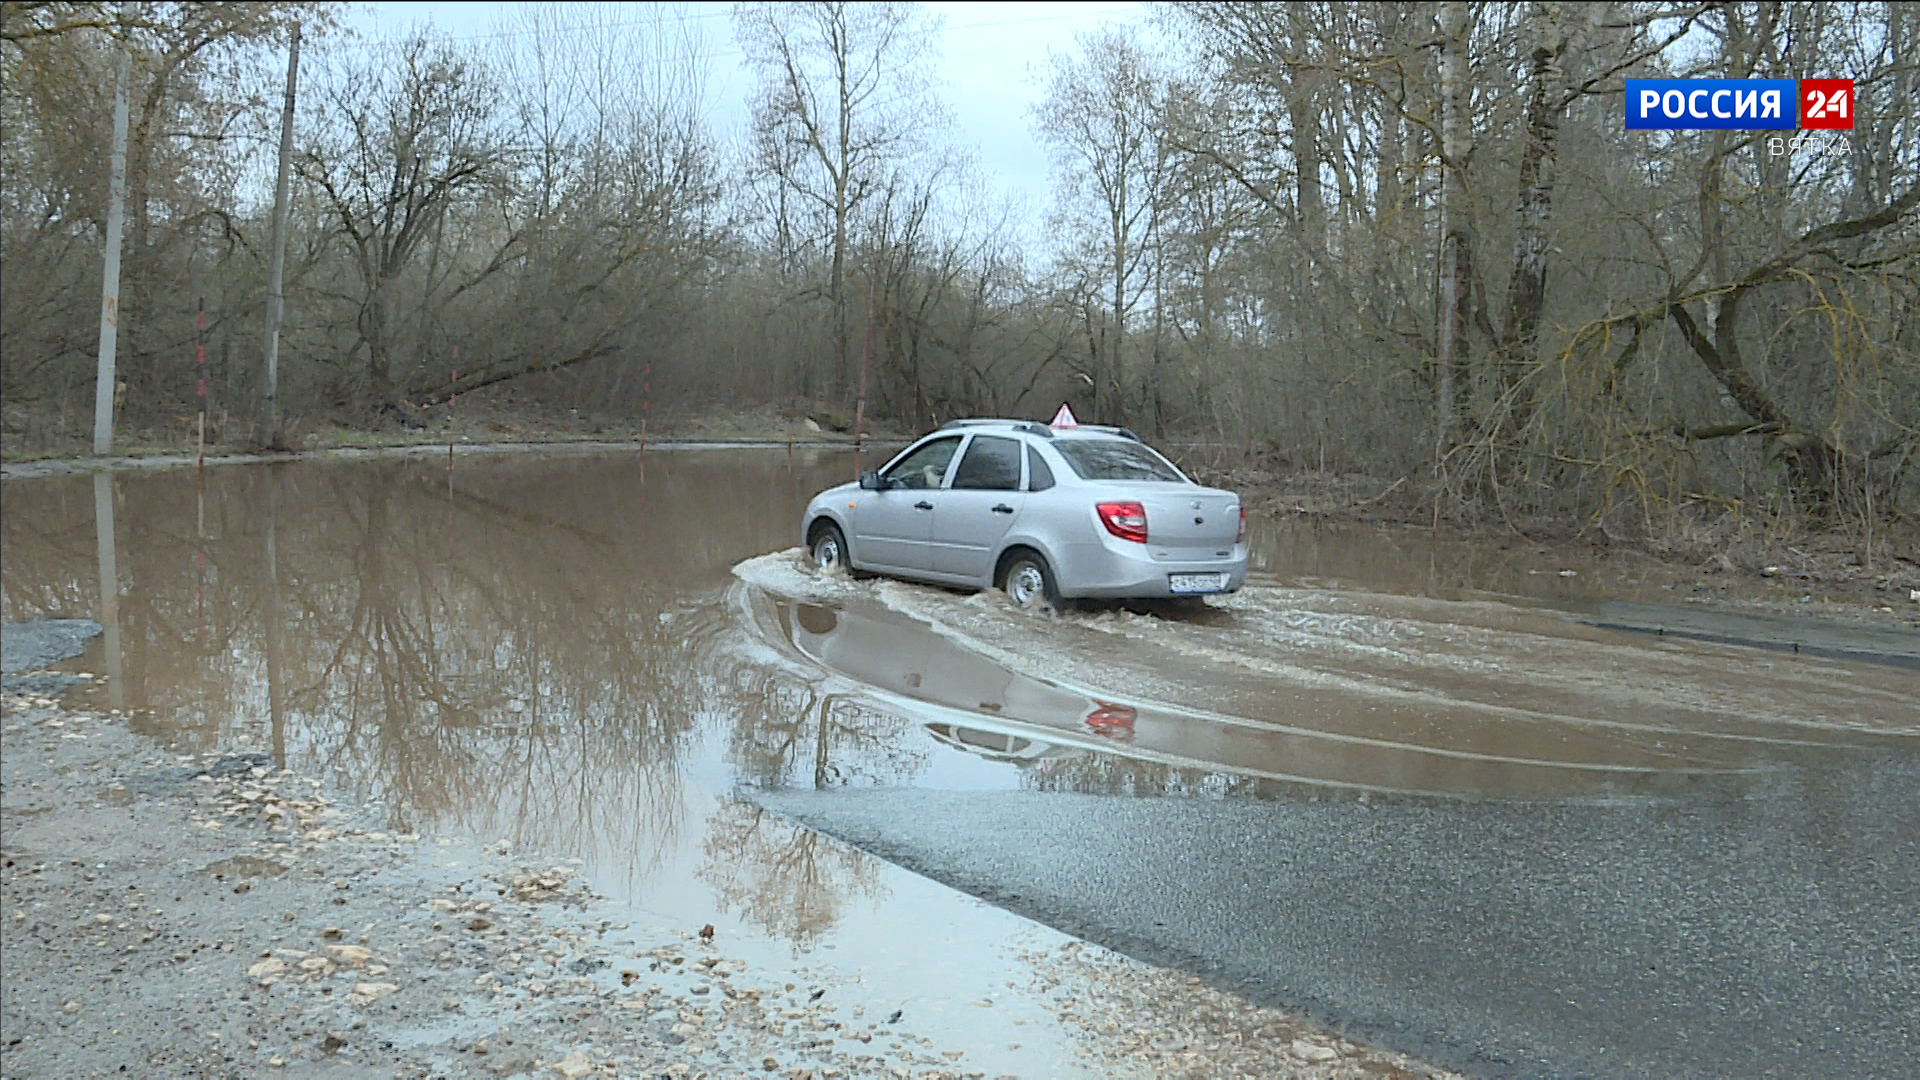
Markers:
{"x": 1739, "y": 104}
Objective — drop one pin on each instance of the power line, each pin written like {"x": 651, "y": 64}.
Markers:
{"x": 1044, "y": 18}
{"x": 556, "y": 30}
{"x": 623, "y": 24}
{"x": 584, "y": 27}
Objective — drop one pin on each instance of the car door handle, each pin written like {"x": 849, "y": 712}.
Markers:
{"x": 1003, "y": 508}
{"x": 923, "y": 505}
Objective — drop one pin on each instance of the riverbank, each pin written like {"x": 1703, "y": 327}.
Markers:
{"x": 1731, "y": 567}
{"x": 475, "y": 426}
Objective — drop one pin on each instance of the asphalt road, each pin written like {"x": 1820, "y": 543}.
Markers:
{"x": 1897, "y": 647}
{"x": 1758, "y": 932}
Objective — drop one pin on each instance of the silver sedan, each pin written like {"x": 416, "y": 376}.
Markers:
{"x": 1042, "y": 513}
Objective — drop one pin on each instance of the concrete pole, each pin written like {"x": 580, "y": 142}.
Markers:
{"x": 276, "y": 693}
{"x": 860, "y": 398}
{"x": 109, "y": 585}
{"x": 269, "y": 431}
{"x": 110, "y": 287}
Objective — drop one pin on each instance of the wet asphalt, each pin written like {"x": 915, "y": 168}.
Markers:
{"x": 1769, "y": 931}
{"x": 1814, "y": 637}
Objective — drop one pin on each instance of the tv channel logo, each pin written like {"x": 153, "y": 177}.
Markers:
{"x": 1826, "y": 104}
{"x": 1739, "y": 104}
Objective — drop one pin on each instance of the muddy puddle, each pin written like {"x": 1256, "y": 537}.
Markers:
{"x": 542, "y": 648}
{"x": 599, "y": 654}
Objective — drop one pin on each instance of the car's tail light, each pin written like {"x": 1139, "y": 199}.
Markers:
{"x": 1113, "y": 721}
{"x": 1126, "y": 520}
{"x": 1242, "y": 534}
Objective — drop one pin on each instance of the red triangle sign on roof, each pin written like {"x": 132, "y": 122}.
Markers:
{"x": 1064, "y": 418}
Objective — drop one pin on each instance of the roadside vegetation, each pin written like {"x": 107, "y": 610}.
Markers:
{"x": 1409, "y": 242}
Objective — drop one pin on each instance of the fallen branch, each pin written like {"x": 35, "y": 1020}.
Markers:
{"x": 1377, "y": 498}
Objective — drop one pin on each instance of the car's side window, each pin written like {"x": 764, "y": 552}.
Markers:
{"x": 991, "y": 464}
{"x": 1039, "y": 474}
{"x": 926, "y": 466}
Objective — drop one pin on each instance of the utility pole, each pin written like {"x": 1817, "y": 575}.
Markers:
{"x": 860, "y": 398}
{"x": 268, "y": 435}
{"x": 109, "y": 585}
{"x": 200, "y": 383}
{"x": 110, "y": 288}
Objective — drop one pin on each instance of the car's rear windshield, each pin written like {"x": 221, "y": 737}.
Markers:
{"x": 1115, "y": 459}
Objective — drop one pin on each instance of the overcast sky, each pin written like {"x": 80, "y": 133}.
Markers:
{"x": 991, "y": 59}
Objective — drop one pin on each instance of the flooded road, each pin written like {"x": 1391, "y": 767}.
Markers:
{"x": 1405, "y": 786}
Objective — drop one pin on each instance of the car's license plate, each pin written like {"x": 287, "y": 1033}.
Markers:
{"x": 1196, "y": 583}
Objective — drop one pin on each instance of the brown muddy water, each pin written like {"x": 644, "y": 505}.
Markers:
{"x": 591, "y": 653}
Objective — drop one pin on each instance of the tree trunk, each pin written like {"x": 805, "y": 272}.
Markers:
{"x": 1310, "y": 199}
{"x": 1815, "y": 467}
{"x": 1456, "y": 300}
{"x": 841, "y": 178}
{"x": 1527, "y": 285}
{"x": 373, "y": 327}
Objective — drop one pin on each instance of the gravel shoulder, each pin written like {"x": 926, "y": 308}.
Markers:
{"x": 214, "y": 916}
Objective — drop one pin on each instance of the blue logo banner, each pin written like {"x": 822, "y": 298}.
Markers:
{"x": 1710, "y": 104}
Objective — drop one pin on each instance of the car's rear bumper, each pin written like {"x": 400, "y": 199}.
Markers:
{"x": 1125, "y": 570}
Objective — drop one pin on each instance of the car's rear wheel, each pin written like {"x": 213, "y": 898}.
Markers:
{"x": 1028, "y": 582}
{"x": 829, "y": 549}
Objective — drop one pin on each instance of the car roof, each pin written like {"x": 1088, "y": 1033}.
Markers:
{"x": 1034, "y": 427}
{"x": 1099, "y": 431}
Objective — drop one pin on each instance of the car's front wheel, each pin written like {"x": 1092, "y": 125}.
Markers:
{"x": 1028, "y": 582}
{"x": 829, "y": 549}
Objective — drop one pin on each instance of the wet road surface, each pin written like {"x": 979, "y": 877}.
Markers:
{"x": 1386, "y": 789}
{"x": 1768, "y": 934}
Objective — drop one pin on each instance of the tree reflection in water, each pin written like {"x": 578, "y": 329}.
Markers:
{"x": 786, "y": 733}
{"x": 789, "y": 881}
{"x": 523, "y": 653}
{"x": 793, "y": 882}
{"x": 1106, "y": 774}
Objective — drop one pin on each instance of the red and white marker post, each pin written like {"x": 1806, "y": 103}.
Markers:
{"x": 200, "y": 393}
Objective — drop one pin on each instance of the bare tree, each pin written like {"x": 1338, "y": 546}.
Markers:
{"x": 193, "y": 124}
{"x": 1331, "y": 234}
{"x": 402, "y": 138}
{"x": 615, "y": 201}
{"x": 1453, "y": 410}
{"x": 844, "y": 97}
{"x": 1103, "y": 118}
{"x": 1672, "y": 352}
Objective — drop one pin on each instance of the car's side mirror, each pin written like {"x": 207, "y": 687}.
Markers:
{"x": 871, "y": 481}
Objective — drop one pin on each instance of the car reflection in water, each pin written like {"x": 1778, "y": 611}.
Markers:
{"x": 918, "y": 665}
{"x": 897, "y": 655}
{"x": 969, "y": 701}
{"x": 1112, "y": 720}
{"x": 1106, "y": 718}
{"x": 999, "y": 746}
{"x": 985, "y": 709}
